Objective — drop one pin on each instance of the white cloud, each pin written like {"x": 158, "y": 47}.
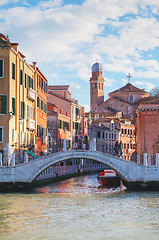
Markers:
{"x": 146, "y": 85}
{"x": 4, "y": 2}
{"x": 71, "y": 37}
{"x": 109, "y": 82}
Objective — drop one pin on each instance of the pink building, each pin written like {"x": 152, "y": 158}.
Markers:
{"x": 70, "y": 113}
{"x": 147, "y": 127}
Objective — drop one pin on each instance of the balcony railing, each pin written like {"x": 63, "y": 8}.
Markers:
{"x": 31, "y": 124}
{"x": 31, "y": 94}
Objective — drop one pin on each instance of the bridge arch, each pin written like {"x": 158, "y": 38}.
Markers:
{"x": 125, "y": 169}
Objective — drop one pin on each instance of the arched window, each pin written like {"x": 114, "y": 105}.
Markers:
{"x": 131, "y": 98}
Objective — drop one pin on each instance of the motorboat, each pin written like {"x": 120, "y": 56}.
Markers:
{"x": 109, "y": 178}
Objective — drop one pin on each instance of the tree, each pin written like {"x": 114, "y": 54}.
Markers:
{"x": 154, "y": 92}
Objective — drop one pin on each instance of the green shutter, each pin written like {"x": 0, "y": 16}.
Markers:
{"x": 23, "y": 109}
{"x": 13, "y": 106}
{"x": 25, "y": 80}
{"x": 21, "y": 77}
{"x": 1, "y": 68}
{"x": 1, "y": 134}
{"x": 4, "y": 104}
{"x": 13, "y": 71}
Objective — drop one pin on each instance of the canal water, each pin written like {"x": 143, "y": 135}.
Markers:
{"x": 78, "y": 208}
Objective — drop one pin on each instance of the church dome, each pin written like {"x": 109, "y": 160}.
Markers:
{"x": 97, "y": 67}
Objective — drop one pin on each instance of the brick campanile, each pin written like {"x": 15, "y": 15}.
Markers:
{"x": 96, "y": 87}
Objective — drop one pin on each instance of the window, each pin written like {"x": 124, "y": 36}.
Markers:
{"x": 115, "y": 136}
{"x": 3, "y": 102}
{"x": 1, "y": 68}
{"x": 122, "y": 131}
{"x": 125, "y": 131}
{"x": 99, "y": 85}
{"x": 60, "y": 124}
{"x": 131, "y": 98}
{"x": 12, "y": 135}
{"x": 128, "y": 132}
{"x": 13, "y": 106}
{"x": 13, "y": 71}
{"x": 103, "y": 134}
{"x": 106, "y": 147}
{"x": 95, "y": 85}
{"x": 102, "y": 148}
{"x": 26, "y": 80}
{"x": 124, "y": 145}
{"x": 109, "y": 135}
{"x": 22, "y": 112}
{"x": 98, "y": 134}
{"x": 21, "y": 77}
{"x": 1, "y": 134}
{"x": 106, "y": 135}
{"x": 127, "y": 145}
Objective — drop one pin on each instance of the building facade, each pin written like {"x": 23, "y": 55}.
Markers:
{"x": 23, "y": 99}
{"x": 69, "y": 114}
{"x": 41, "y": 113}
{"x": 147, "y": 127}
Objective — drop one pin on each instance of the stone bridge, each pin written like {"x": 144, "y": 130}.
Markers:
{"x": 134, "y": 175}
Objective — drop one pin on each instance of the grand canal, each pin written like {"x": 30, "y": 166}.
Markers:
{"x": 78, "y": 208}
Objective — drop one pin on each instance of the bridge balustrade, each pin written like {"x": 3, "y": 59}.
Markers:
{"x": 55, "y": 171}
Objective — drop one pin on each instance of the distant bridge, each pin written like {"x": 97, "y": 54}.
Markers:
{"x": 134, "y": 175}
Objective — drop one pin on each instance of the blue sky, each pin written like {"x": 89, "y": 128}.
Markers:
{"x": 66, "y": 38}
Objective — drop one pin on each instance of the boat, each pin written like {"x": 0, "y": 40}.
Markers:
{"x": 109, "y": 178}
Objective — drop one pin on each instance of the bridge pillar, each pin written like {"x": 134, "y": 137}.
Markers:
{"x": 25, "y": 157}
{"x": 138, "y": 158}
{"x": 145, "y": 160}
{"x": 157, "y": 159}
{"x": 12, "y": 162}
{"x": 64, "y": 144}
{"x": 149, "y": 159}
{"x": 1, "y": 159}
{"x": 93, "y": 144}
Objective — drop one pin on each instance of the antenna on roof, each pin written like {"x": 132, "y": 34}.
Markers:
{"x": 129, "y": 76}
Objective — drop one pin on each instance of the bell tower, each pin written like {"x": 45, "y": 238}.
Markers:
{"x": 96, "y": 87}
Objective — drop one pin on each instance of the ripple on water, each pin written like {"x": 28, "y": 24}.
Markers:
{"x": 79, "y": 208}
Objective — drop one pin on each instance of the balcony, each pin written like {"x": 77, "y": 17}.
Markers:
{"x": 31, "y": 94}
{"x": 30, "y": 124}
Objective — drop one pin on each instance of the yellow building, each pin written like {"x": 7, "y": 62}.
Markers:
{"x": 18, "y": 109}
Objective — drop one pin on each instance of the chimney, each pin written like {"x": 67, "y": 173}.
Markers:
{"x": 34, "y": 65}
{"x": 15, "y": 46}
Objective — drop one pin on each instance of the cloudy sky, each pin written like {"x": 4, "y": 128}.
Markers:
{"x": 67, "y": 37}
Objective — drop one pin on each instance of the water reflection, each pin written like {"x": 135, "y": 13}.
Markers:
{"x": 88, "y": 184}
{"x": 79, "y": 208}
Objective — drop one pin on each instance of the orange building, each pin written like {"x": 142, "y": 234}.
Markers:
{"x": 41, "y": 113}
{"x": 147, "y": 127}
{"x": 127, "y": 138}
